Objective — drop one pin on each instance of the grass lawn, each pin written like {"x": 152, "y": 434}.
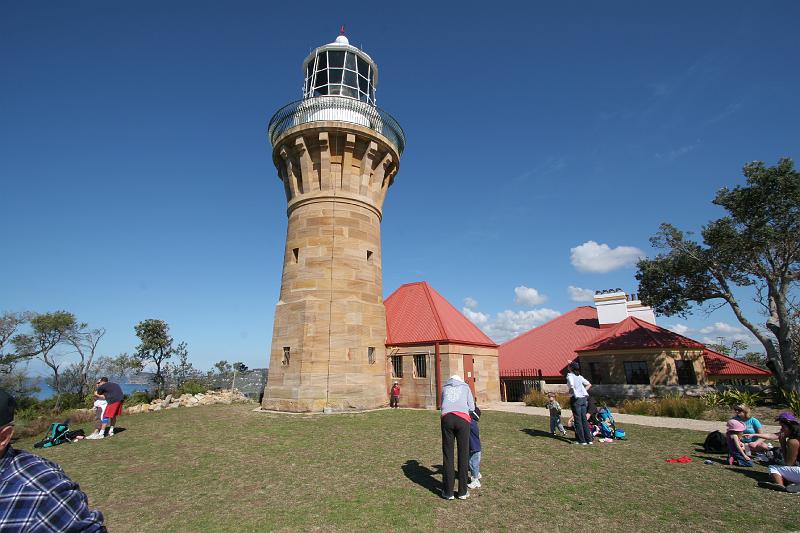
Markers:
{"x": 226, "y": 468}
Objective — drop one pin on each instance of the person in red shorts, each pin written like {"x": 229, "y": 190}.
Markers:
{"x": 112, "y": 393}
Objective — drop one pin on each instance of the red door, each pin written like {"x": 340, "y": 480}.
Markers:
{"x": 469, "y": 374}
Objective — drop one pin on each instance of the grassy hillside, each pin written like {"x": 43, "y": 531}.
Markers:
{"x": 226, "y": 468}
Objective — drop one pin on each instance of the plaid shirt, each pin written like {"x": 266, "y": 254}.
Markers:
{"x": 37, "y": 496}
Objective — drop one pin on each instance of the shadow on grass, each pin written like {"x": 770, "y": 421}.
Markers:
{"x": 539, "y": 433}
{"x": 423, "y": 476}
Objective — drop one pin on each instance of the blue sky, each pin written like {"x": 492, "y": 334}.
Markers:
{"x": 137, "y": 182}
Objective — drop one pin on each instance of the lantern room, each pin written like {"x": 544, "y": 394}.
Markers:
{"x": 340, "y": 69}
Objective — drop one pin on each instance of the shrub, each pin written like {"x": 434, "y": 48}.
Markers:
{"x": 535, "y": 398}
{"x": 714, "y": 399}
{"x": 750, "y": 399}
{"x": 675, "y": 406}
{"x": 192, "y": 386}
{"x": 792, "y": 400}
{"x": 137, "y": 397}
{"x": 636, "y": 407}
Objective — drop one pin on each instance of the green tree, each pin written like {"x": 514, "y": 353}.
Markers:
{"x": 755, "y": 359}
{"x": 155, "y": 347}
{"x": 756, "y": 245}
{"x": 85, "y": 342}
{"x": 183, "y": 370}
{"x": 48, "y": 331}
{"x": 9, "y": 324}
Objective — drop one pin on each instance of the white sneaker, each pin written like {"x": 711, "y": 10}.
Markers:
{"x": 464, "y": 496}
{"x": 95, "y": 436}
{"x": 475, "y": 484}
{"x": 479, "y": 476}
{"x": 110, "y": 432}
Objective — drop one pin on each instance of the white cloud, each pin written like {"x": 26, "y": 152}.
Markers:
{"x": 680, "y": 329}
{"x": 576, "y": 294}
{"x": 508, "y": 324}
{"x": 601, "y": 258}
{"x": 476, "y": 317}
{"x": 528, "y": 296}
{"x": 471, "y": 303}
{"x": 721, "y": 327}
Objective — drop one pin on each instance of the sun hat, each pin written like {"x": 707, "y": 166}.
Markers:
{"x": 735, "y": 425}
{"x": 786, "y": 416}
{"x": 7, "y": 405}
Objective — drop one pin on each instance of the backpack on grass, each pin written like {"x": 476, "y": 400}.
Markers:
{"x": 56, "y": 434}
{"x": 715, "y": 443}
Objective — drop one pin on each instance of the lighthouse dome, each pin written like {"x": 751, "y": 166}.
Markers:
{"x": 340, "y": 69}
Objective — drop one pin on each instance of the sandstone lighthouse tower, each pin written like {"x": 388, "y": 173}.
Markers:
{"x": 337, "y": 154}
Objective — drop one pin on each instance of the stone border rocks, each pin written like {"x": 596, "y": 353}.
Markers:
{"x": 190, "y": 400}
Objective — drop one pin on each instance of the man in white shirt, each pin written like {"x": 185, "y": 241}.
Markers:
{"x": 579, "y": 394}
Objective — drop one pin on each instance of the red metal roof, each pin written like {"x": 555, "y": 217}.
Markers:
{"x": 718, "y": 364}
{"x": 634, "y": 333}
{"x": 417, "y": 314}
{"x": 551, "y": 346}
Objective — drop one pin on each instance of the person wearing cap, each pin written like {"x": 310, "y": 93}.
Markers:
{"x": 579, "y": 397}
{"x": 786, "y": 477}
{"x": 35, "y": 494}
{"x": 752, "y": 426}
{"x": 457, "y": 403}
{"x": 394, "y": 400}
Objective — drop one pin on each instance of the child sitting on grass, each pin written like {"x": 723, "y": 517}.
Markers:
{"x": 737, "y": 453}
{"x": 555, "y": 415}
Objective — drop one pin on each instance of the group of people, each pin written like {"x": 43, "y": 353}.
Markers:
{"x": 747, "y": 441}
{"x": 107, "y": 406}
{"x": 35, "y": 494}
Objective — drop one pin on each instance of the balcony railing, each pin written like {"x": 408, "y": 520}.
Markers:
{"x": 336, "y": 108}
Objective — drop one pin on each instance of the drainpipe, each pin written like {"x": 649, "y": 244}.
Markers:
{"x": 438, "y": 378}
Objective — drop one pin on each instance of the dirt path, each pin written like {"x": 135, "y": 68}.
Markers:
{"x": 652, "y": 421}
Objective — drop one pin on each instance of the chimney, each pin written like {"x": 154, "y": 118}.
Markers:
{"x": 611, "y": 306}
{"x": 642, "y": 312}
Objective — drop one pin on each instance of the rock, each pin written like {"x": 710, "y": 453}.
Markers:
{"x": 173, "y": 405}
{"x": 156, "y": 407}
{"x": 168, "y": 398}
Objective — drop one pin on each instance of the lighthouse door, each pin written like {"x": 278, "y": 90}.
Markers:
{"x": 469, "y": 374}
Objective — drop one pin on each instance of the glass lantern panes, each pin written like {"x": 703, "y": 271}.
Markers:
{"x": 340, "y": 73}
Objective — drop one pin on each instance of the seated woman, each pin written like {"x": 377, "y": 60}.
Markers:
{"x": 786, "y": 478}
{"x": 752, "y": 427}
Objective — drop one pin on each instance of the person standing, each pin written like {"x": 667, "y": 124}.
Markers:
{"x": 554, "y": 408}
{"x": 35, "y": 494}
{"x": 394, "y": 400}
{"x": 111, "y": 393}
{"x": 578, "y": 390}
{"x": 475, "y": 450}
{"x": 457, "y": 403}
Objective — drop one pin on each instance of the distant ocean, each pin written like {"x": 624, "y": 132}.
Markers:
{"x": 46, "y": 392}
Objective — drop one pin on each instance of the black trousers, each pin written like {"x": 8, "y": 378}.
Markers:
{"x": 394, "y": 400}
{"x": 455, "y": 430}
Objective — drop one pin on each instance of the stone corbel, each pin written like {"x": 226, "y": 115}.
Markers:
{"x": 289, "y": 175}
{"x": 306, "y": 165}
{"x": 389, "y": 169}
{"x": 367, "y": 163}
{"x": 325, "y": 181}
{"x": 349, "y": 181}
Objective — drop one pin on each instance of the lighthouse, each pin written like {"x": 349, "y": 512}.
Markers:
{"x": 336, "y": 154}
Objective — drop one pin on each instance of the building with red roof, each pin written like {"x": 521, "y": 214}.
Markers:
{"x": 428, "y": 340}
{"x": 621, "y": 351}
